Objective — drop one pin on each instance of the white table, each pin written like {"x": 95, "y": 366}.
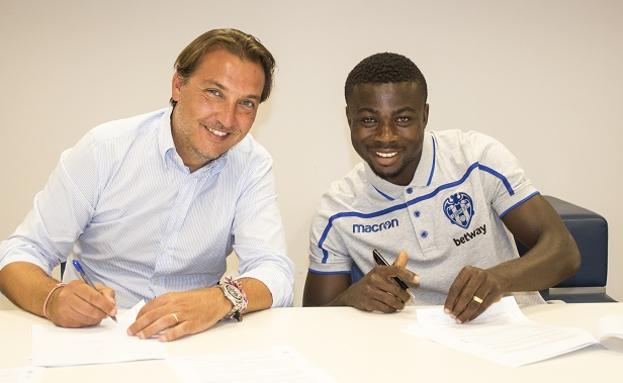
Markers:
{"x": 351, "y": 345}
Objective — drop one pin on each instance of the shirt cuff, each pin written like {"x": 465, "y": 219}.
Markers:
{"x": 279, "y": 282}
{"x": 19, "y": 256}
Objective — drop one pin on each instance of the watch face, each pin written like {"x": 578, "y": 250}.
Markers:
{"x": 233, "y": 292}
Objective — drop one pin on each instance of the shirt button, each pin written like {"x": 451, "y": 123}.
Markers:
{"x": 417, "y": 214}
{"x": 424, "y": 234}
{"x": 409, "y": 190}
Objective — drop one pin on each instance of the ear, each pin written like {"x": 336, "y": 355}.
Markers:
{"x": 350, "y": 121}
{"x": 176, "y": 86}
{"x": 425, "y": 115}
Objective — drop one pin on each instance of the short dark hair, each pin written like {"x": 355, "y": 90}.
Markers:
{"x": 381, "y": 68}
{"x": 236, "y": 42}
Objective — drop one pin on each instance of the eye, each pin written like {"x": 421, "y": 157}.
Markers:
{"x": 249, "y": 104}
{"x": 368, "y": 120}
{"x": 215, "y": 92}
{"x": 402, "y": 120}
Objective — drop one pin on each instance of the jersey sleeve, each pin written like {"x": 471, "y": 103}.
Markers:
{"x": 327, "y": 251}
{"x": 503, "y": 177}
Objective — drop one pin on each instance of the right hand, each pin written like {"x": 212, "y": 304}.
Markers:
{"x": 79, "y": 305}
{"x": 377, "y": 291}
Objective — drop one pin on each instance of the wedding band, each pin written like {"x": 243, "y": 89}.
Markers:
{"x": 477, "y": 299}
{"x": 177, "y": 320}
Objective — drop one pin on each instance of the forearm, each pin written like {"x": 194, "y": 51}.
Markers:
{"x": 258, "y": 294}
{"x": 325, "y": 290}
{"x": 552, "y": 259}
{"x": 26, "y": 285}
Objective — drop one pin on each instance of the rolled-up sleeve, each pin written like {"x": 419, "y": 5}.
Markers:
{"x": 259, "y": 239}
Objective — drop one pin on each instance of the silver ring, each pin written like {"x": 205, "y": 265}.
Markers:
{"x": 177, "y": 319}
{"x": 477, "y": 299}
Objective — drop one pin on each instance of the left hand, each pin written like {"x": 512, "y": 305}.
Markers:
{"x": 174, "y": 315}
{"x": 470, "y": 286}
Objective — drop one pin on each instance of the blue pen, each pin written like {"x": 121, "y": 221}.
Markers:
{"x": 86, "y": 279}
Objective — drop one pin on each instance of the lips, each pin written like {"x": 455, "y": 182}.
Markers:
{"x": 385, "y": 157}
{"x": 216, "y": 133}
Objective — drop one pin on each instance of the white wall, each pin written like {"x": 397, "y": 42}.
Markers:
{"x": 544, "y": 77}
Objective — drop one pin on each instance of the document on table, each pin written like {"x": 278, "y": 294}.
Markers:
{"x": 611, "y": 326}
{"x": 107, "y": 343}
{"x": 501, "y": 334}
{"x": 20, "y": 375}
{"x": 278, "y": 364}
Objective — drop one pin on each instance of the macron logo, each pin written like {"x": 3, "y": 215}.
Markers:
{"x": 375, "y": 227}
{"x": 470, "y": 235}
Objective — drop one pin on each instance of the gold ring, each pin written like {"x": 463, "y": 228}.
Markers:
{"x": 477, "y": 299}
{"x": 177, "y": 319}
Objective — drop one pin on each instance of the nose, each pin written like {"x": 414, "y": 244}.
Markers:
{"x": 386, "y": 132}
{"x": 227, "y": 114}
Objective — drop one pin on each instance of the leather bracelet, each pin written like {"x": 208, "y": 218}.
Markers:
{"x": 47, "y": 299}
{"x": 232, "y": 289}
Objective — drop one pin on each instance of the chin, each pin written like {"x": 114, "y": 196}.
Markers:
{"x": 386, "y": 173}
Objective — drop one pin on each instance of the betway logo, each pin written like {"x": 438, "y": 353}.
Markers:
{"x": 469, "y": 235}
{"x": 375, "y": 227}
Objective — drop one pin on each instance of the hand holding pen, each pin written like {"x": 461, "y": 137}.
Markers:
{"x": 79, "y": 304}
{"x": 400, "y": 261}
{"x": 377, "y": 291}
{"x": 87, "y": 280}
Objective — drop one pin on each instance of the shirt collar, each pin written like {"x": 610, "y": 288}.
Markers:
{"x": 423, "y": 174}
{"x": 165, "y": 136}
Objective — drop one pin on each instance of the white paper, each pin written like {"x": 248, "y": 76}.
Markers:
{"x": 20, "y": 375}
{"x": 278, "y": 364}
{"x": 611, "y": 326}
{"x": 501, "y": 334}
{"x": 107, "y": 343}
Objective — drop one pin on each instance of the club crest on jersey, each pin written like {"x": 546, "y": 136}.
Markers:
{"x": 459, "y": 209}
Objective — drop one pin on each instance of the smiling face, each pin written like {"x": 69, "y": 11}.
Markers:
{"x": 387, "y": 123}
{"x": 216, "y": 106}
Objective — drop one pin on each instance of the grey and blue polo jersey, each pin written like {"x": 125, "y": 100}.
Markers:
{"x": 448, "y": 217}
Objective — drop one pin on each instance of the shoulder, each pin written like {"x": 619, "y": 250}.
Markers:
{"x": 126, "y": 129}
{"x": 472, "y": 140}
{"x": 345, "y": 193}
{"x": 469, "y": 146}
{"x": 248, "y": 154}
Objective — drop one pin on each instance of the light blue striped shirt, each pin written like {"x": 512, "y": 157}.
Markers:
{"x": 123, "y": 201}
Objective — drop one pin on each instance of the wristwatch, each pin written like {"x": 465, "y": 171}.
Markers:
{"x": 232, "y": 289}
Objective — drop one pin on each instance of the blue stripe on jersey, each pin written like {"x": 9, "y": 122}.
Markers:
{"x": 328, "y": 272}
{"x": 406, "y": 204}
{"x": 517, "y": 204}
{"x": 509, "y": 188}
{"x": 432, "y": 168}
{"x": 383, "y": 194}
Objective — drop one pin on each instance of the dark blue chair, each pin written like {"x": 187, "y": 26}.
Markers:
{"x": 590, "y": 231}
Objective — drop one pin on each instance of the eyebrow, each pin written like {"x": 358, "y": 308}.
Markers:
{"x": 401, "y": 110}
{"x": 405, "y": 109}
{"x": 223, "y": 87}
{"x": 366, "y": 109}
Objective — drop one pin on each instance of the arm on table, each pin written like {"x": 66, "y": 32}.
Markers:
{"x": 60, "y": 213}
{"x": 553, "y": 256}
{"x": 174, "y": 315}
{"x": 376, "y": 291}
{"x": 74, "y": 305}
